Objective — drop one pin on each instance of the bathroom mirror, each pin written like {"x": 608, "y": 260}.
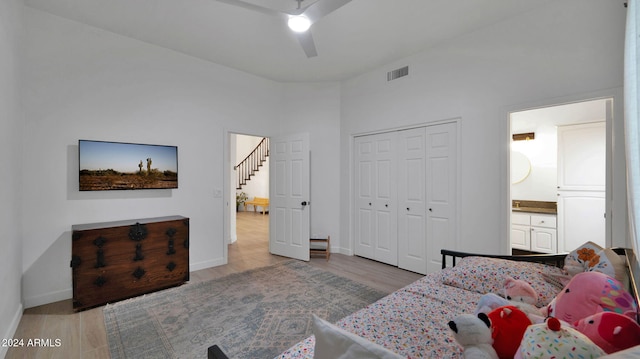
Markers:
{"x": 520, "y": 167}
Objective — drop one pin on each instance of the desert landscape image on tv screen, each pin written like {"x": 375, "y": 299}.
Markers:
{"x": 126, "y": 166}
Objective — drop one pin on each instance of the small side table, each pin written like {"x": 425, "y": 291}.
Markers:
{"x": 320, "y": 246}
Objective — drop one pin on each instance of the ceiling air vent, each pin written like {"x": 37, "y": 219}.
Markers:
{"x": 397, "y": 73}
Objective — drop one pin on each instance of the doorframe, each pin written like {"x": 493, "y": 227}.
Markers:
{"x": 616, "y": 227}
{"x": 227, "y": 204}
{"x": 352, "y": 168}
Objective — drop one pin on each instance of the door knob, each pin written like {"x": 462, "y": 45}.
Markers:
{"x": 304, "y": 203}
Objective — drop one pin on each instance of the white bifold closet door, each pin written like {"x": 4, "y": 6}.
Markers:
{"x": 412, "y": 199}
{"x": 376, "y": 204}
{"x": 442, "y": 192}
{"x": 405, "y": 189}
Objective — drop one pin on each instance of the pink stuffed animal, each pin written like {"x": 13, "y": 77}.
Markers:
{"x": 519, "y": 291}
{"x": 589, "y": 293}
{"x": 516, "y": 292}
{"x": 522, "y": 295}
{"x": 610, "y": 331}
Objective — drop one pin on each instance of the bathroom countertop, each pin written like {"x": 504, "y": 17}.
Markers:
{"x": 534, "y": 206}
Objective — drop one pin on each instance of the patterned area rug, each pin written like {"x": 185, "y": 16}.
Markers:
{"x": 254, "y": 314}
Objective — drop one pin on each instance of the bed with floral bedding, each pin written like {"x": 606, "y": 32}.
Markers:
{"x": 412, "y": 321}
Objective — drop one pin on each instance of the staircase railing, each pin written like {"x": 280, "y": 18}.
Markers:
{"x": 252, "y": 163}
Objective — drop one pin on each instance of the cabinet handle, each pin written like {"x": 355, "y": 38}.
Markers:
{"x": 407, "y": 208}
{"x": 386, "y": 205}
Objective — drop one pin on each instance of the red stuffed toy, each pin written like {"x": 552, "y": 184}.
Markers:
{"x": 508, "y": 324}
{"x": 610, "y": 331}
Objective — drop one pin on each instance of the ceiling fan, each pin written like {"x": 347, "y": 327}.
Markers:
{"x": 300, "y": 19}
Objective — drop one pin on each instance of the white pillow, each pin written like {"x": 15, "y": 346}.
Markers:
{"x": 336, "y": 343}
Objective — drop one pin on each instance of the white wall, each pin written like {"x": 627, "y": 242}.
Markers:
{"x": 10, "y": 164}
{"x": 563, "y": 49}
{"x": 542, "y": 153}
{"x": 83, "y": 82}
{"x": 315, "y": 108}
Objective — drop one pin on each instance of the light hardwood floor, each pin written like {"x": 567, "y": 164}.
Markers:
{"x": 83, "y": 335}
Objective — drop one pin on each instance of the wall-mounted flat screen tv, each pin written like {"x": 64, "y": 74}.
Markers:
{"x": 126, "y": 166}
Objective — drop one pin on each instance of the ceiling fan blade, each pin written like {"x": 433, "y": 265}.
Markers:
{"x": 252, "y": 7}
{"x": 298, "y": 11}
{"x": 321, "y": 8}
{"x": 306, "y": 40}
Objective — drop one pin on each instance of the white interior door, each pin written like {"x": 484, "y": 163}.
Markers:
{"x": 580, "y": 219}
{"x": 405, "y": 185}
{"x": 364, "y": 188}
{"x": 289, "y": 183}
{"x": 441, "y": 182}
{"x": 412, "y": 236}
{"x": 376, "y": 205}
{"x": 582, "y": 157}
{"x": 581, "y": 185}
{"x": 385, "y": 201}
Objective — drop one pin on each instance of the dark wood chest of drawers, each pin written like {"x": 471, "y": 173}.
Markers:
{"x": 117, "y": 260}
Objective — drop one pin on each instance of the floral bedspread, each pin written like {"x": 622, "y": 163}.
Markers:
{"x": 411, "y": 321}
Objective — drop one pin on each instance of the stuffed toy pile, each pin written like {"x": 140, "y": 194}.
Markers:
{"x": 591, "y": 316}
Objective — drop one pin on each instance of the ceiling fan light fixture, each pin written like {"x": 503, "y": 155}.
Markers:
{"x": 299, "y": 23}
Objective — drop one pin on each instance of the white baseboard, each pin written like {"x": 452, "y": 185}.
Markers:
{"x": 48, "y": 298}
{"x": 12, "y": 330}
{"x": 345, "y": 251}
{"x": 206, "y": 264}
{"x": 233, "y": 238}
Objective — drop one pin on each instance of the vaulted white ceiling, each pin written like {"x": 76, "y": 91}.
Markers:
{"x": 358, "y": 37}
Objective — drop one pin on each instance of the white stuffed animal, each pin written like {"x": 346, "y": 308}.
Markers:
{"x": 473, "y": 333}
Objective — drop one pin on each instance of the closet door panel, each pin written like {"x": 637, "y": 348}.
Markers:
{"x": 385, "y": 206}
{"x": 375, "y": 182}
{"x": 441, "y": 184}
{"x": 411, "y": 198}
{"x": 364, "y": 184}
{"x": 405, "y": 188}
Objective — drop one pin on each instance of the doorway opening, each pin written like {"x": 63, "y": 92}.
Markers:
{"x": 249, "y": 180}
{"x": 559, "y": 173}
